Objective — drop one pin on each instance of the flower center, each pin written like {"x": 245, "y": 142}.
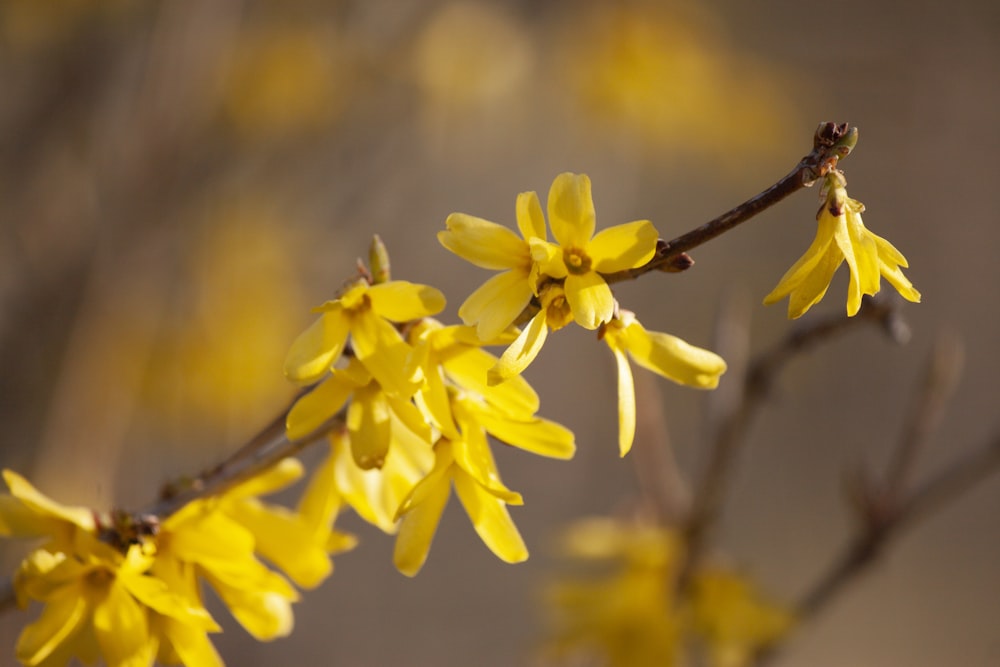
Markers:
{"x": 577, "y": 261}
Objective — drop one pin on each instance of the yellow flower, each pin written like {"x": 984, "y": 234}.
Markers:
{"x": 365, "y": 312}
{"x": 661, "y": 353}
{"x": 370, "y": 415}
{"x": 554, "y": 314}
{"x": 731, "y": 619}
{"x": 842, "y": 236}
{"x": 581, "y": 257}
{"x": 464, "y": 464}
{"x": 217, "y": 539}
{"x": 496, "y": 303}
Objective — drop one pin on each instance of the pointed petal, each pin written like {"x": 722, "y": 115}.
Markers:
{"x": 890, "y": 260}
{"x": 535, "y": 435}
{"x": 497, "y": 303}
{"x": 44, "y": 506}
{"x": 410, "y": 416}
{"x": 484, "y": 243}
{"x": 193, "y": 647}
{"x": 548, "y": 259}
{"x": 590, "y": 299}
{"x": 60, "y": 620}
{"x": 472, "y": 454}
{"x": 623, "y": 246}
{"x": 384, "y": 353}
{"x": 814, "y": 285}
{"x": 843, "y": 239}
{"x": 626, "y": 401}
{"x": 530, "y": 219}
{"x": 418, "y": 525}
{"x": 318, "y": 347}
{"x": 315, "y": 408}
{"x": 468, "y": 368}
{"x": 155, "y": 594}
{"x": 120, "y": 625}
{"x": 368, "y": 424}
{"x": 865, "y": 251}
{"x": 491, "y": 520}
{"x": 674, "y": 358}
{"x": 521, "y": 352}
{"x": 402, "y": 301}
{"x": 806, "y": 264}
{"x": 571, "y": 210}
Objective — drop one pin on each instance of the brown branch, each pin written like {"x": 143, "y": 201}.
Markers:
{"x": 711, "y": 488}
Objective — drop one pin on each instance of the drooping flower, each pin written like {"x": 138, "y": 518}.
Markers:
{"x": 581, "y": 257}
{"x": 842, "y": 237}
{"x": 462, "y": 464}
{"x": 554, "y": 313}
{"x": 366, "y": 313}
{"x": 661, "y": 353}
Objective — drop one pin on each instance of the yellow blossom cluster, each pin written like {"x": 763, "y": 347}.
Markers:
{"x": 633, "y": 611}
{"x": 127, "y": 590}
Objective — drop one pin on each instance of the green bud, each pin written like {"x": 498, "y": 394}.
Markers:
{"x": 378, "y": 261}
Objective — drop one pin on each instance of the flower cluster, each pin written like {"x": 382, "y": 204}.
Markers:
{"x": 842, "y": 237}
{"x": 128, "y": 590}
{"x": 634, "y": 612}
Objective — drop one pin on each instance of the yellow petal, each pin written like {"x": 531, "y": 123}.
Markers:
{"x": 674, "y": 358}
{"x": 530, "y": 219}
{"x": 59, "y": 622}
{"x": 548, "y": 258}
{"x": 319, "y": 405}
{"x": 402, "y": 301}
{"x": 623, "y": 246}
{"x": 814, "y": 285}
{"x": 806, "y": 264}
{"x": 865, "y": 252}
{"x": 318, "y": 347}
{"x": 265, "y": 614}
{"x": 321, "y": 500}
{"x": 626, "y": 401}
{"x": 418, "y": 525}
{"x": 368, "y": 424}
{"x": 384, "y": 353}
{"x": 890, "y": 260}
{"x": 491, "y": 520}
{"x": 590, "y": 299}
{"x": 155, "y": 594}
{"x": 275, "y": 478}
{"x": 472, "y": 454}
{"x": 535, "y": 435}
{"x": 497, "y": 303}
{"x": 43, "y": 506}
{"x": 521, "y": 352}
{"x": 468, "y": 368}
{"x": 485, "y": 244}
{"x": 571, "y": 210}
{"x": 120, "y": 625}
{"x": 192, "y": 646}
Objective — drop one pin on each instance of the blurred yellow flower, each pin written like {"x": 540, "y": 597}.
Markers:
{"x": 661, "y": 353}
{"x": 842, "y": 237}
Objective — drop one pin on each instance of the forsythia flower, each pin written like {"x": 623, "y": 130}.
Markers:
{"x": 496, "y": 304}
{"x": 365, "y": 312}
{"x": 842, "y": 236}
{"x": 661, "y": 353}
{"x": 554, "y": 314}
{"x": 581, "y": 256}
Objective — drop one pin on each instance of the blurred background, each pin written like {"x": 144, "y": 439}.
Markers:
{"x": 181, "y": 181}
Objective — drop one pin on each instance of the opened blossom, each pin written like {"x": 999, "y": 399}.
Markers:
{"x": 554, "y": 314}
{"x": 581, "y": 257}
{"x": 661, "y": 353}
{"x": 842, "y": 237}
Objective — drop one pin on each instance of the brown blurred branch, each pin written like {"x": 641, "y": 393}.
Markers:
{"x": 732, "y": 429}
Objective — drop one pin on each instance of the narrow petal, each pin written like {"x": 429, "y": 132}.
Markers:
{"x": 865, "y": 252}
{"x": 468, "y": 368}
{"x": 497, "y": 303}
{"x": 321, "y": 500}
{"x": 484, "y": 243}
{"x": 60, "y": 620}
{"x": 120, "y": 625}
{"x": 411, "y": 417}
{"x": 264, "y": 614}
{"x": 533, "y": 434}
{"x": 315, "y": 408}
{"x": 674, "y": 358}
{"x": 521, "y": 352}
{"x": 155, "y": 594}
{"x": 623, "y": 246}
{"x": 806, "y": 264}
{"x": 890, "y": 260}
{"x": 812, "y": 289}
{"x": 402, "y": 301}
{"x": 571, "y": 210}
{"x": 491, "y": 520}
{"x": 192, "y": 646}
{"x": 384, "y": 353}
{"x": 42, "y": 505}
{"x": 275, "y": 478}
{"x": 548, "y": 259}
{"x": 626, "y": 401}
{"x": 472, "y": 454}
{"x": 318, "y": 347}
{"x": 368, "y": 424}
{"x": 843, "y": 239}
{"x": 418, "y": 525}
{"x": 590, "y": 299}
{"x": 530, "y": 219}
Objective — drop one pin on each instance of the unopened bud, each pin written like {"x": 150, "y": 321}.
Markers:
{"x": 378, "y": 261}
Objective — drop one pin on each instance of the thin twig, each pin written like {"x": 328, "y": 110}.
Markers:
{"x": 711, "y": 488}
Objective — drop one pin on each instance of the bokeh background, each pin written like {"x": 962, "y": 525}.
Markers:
{"x": 181, "y": 181}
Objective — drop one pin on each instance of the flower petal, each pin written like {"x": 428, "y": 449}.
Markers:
{"x": 530, "y": 219}
{"x": 384, "y": 353}
{"x": 318, "y": 347}
{"x": 418, "y": 525}
{"x": 814, "y": 285}
{"x": 674, "y": 358}
{"x": 590, "y": 299}
{"x": 521, "y": 352}
{"x": 491, "y": 520}
{"x": 497, "y": 303}
{"x": 806, "y": 264}
{"x": 315, "y": 408}
{"x": 571, "y": 210}
{"x": 402, "y": 301}
{"x": 42, "y": 505}
{"x": 484, "y": 243}
{"x": 468, "y": 368}
{"x": 60, "y": 620}
{"x": 623, "y": 246}
{"x": 120, "y": 625}
{"x": 535, "y": 435}
{"x": 548, "y": 259}
{"x": 368, "y": 424}
{"x": 626, "y": 400}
